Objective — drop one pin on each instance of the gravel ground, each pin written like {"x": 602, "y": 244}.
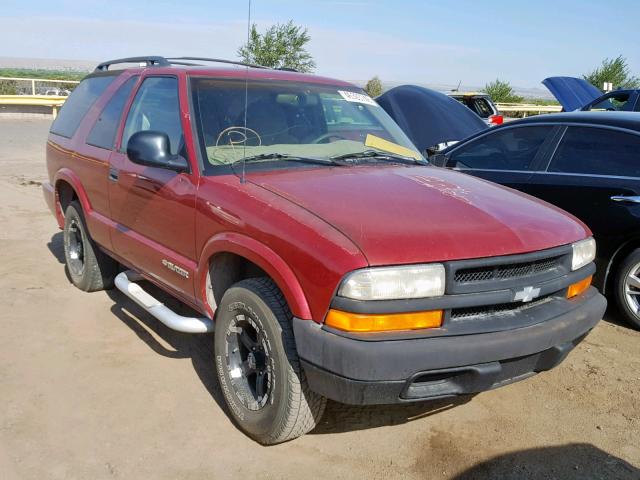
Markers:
{"x": 91, "y": 387}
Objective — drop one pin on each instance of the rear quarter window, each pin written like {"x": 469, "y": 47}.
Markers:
{"x": 78, "y": 104}
{"x": 482, "y": 108}
{"x": 597, "y": 151}
{"x": 103, "y": 133}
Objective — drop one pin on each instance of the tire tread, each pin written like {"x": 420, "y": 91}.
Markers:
{"x": 304, "y": 407}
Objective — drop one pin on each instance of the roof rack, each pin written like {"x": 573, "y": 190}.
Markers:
{"x": 156, "y": 61}
{"x": 152, "y": 61}
{"x": 214, "y": 60}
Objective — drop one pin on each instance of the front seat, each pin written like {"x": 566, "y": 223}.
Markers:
{"x": 268, "y": 119}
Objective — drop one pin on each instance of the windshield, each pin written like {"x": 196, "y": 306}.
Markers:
{"x": 292, "y": 119}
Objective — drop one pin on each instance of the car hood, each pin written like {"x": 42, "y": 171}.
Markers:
{"x": 429, "y": 117}
{"x": 572, "y": 93}
{"x": 407, "y": 214}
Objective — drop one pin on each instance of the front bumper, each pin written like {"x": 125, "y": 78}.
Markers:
{"x": 379, "y": 371}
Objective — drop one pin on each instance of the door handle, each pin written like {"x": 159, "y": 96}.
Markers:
{"x": 113, "y": 174}
{"x": 626, "y": 199}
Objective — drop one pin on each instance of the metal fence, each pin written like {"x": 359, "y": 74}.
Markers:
{"x": 525, "y": 109}
{"x": 36, "y": 86}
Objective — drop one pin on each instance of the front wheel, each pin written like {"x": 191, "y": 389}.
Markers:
{"x": 258, "y": 366}
{"x": 627, "y": 288}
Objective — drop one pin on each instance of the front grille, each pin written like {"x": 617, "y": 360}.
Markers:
{"x": 508, "y": 271}
{"x": 496, "y": 310}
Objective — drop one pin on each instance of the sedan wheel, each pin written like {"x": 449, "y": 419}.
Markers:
{"x": 627, "y": 288}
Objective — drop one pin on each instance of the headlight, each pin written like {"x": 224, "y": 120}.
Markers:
{"x": 584, "y": 252}
{"x": 386, "y": 283}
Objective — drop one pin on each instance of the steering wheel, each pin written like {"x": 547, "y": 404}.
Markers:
{"x": 326, "y": 136}
{"x": 240, "y": 134}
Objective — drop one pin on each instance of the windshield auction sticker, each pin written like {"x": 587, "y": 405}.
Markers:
{"x": 357, "y": 97}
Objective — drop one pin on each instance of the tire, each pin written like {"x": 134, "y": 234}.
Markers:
{"x": 258, "y": 367}
{"x": 628, "y": 280}
{"x": 88, "y": 267}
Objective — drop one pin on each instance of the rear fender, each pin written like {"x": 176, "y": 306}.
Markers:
{"x": 98, "y": 224}
{"x": 262, "y": 256}
{"x": 67, "y": 175}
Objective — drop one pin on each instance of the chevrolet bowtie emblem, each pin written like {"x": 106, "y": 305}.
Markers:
{"x": 526, "y": 294}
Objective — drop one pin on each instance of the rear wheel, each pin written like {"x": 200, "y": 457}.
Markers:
{"x": 258, "y": 366}
{"x": 89, "y": 268}
{"x": 627, "y": 288}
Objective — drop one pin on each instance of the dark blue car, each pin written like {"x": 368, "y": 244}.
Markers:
{"x": 578, "y": 94}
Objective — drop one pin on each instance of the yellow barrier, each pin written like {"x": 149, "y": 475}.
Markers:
{"x": 52, "y": 101}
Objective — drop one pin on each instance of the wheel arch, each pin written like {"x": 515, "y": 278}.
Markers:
{"x": 229, "y": 247}
{"x": 618, "y": 257}
{"x": 67, "y": 186}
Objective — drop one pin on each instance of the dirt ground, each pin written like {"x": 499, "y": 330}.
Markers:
{"x": 91, "y": 387}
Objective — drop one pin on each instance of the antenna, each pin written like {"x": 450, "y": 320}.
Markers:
{"x": 246, "y": 97}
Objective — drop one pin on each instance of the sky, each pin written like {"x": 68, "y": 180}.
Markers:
{"x": 401, "y": 41}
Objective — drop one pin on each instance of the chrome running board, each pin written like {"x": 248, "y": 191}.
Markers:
{"x": 125, "y": 282}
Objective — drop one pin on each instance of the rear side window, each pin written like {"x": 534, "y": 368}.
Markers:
{"x": 156, "y": 107}
{"x": 614, "y": 102}
{"x": 78, "y": 104}
{"x": 482, "y": 108}
{"x": 507, "y": 149}
{"x": 597, "y": 151}
{"x": 103, "y": 133}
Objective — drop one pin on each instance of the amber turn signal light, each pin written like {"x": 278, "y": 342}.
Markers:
{"x": 354, "y": 322}
{"x": 578, "y": 287}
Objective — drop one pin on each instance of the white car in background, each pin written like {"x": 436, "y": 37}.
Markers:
{"x": 481, "y": 104}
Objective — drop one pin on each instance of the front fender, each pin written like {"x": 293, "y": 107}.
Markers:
{"x": 265, "y": 258}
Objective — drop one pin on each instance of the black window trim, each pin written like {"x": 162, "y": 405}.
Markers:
{"x": 132, "y": 98}
{"x": 636, "y": 106}
{"x": 538, "y": 159}
{"x": 115, "y": 139}
{"x": 568, "y": 125}
{"x": 137, "y": 88}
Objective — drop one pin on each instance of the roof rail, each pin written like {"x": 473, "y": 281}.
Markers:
{"x": 215, "y": 60}
{"x": 150, "y": 61}
{"x": 157, "y": 61}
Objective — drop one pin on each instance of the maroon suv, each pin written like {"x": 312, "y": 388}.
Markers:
{"x": 291, "y": 212}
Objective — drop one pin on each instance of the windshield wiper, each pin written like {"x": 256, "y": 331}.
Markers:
{"x": 379, "y": 155}
{"x": 293, "y": 158}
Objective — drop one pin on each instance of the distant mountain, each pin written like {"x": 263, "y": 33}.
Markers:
{"x": 48, "y": 64}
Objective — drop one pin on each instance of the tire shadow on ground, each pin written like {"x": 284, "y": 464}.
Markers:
{"x": 578, "y": 461}
{"x": 56, "y": 247}
{"x": 337, "y": 418}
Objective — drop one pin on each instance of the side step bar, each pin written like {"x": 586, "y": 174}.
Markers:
{"x": 125, "y": 282}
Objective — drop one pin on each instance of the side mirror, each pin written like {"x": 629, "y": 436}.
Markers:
{"x": 439, "y": 160}
{"x": 151, "y": 148}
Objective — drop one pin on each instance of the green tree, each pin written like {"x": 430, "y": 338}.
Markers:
{"x": 614, "y": 70}
{"x": 502, "y": 92}
{"x": 8, "y": 87}
{"x": 374, "y": 87}
{"x": 280, "y": 46}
